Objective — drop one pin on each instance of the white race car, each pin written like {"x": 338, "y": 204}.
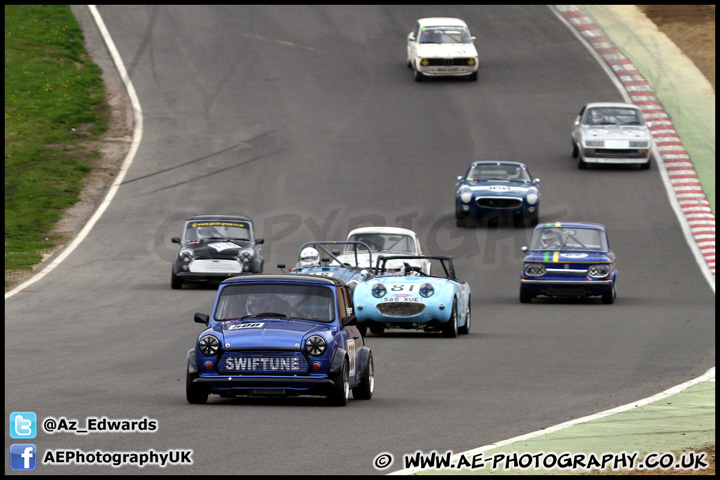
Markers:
{"x": 442, "y": 47}
{"x": 387, "y": 241}
{"x": 611, "y": 133}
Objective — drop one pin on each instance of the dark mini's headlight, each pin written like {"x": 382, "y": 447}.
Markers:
{"x": 315, "y": 345}
{"x": 534, "y": 269}
{"x": 245, "y": 255}
{"x": 186, "y": 254}
{"x": 209, "y": 345}
{"x": 599, "y": 270}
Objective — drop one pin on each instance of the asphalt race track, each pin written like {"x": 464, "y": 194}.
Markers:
{"x": 308, "y": 120}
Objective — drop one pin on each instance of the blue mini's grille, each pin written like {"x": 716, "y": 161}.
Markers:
{"x": 264, "y": 362}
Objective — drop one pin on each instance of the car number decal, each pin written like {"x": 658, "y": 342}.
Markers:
{"x": 352, "y": 357}
{"x": 246, "y": 325}
{"x": 401, "y": 299}
{"x": 220, "y": 246}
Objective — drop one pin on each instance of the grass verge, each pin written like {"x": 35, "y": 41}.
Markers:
{"x": 53, "y": 110}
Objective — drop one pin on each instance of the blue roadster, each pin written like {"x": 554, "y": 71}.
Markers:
{"x": 284, "y": 335}
{"x": 569, "y": 259}
{"x": 497, "y": 190}
{"x": 347, "y": 267}
{"x": 412, "y": 299}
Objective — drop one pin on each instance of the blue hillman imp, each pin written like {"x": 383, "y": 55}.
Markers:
{"x": 569, "y": 259}
{"x": 286, "y": 335}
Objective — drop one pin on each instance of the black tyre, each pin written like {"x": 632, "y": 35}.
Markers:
{"x": 364, "y": 391}
{"x": 419, "y": 77}
{"x": 582, "y": 164}
{"x": 525, "y": 295}
{"x": 473, "y": 76}
{"x": 340, "y": 391}
{"x": 465, "y": 329}
{"x": 450, "y": 329}
{"x": 195, "y": 394}
{"x": 176, "y": 282}
{"x": 575, "y": 150}
{"x": 608, "y": 297}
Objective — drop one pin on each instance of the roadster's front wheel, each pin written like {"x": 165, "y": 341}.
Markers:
{"x": 450, "y": 329}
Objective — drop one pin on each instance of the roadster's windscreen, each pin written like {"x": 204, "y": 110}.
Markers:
{"x": 383, "y": 242}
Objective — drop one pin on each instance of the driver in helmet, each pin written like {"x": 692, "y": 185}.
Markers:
{"x": 207, "y": 232}
{"x": 309, "y": 257}
{"x": 596, "y": 117}
{"x": 551, "y": 238}
{"x": 259, "y": 303}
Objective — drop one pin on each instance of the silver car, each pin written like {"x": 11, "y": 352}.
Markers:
{"x": 611, "y": 133}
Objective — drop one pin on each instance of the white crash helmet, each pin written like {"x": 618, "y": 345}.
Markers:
{"x": 309, "y": 257}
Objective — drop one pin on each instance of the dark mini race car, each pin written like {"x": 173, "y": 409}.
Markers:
{"x": 215, "y": 247}
{"x": 569, "y": 259}
{"x": 287, "y": 334}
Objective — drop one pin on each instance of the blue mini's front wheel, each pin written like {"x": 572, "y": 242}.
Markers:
{"x": 340, "y": 391}
{"x": 195, "y": 393}
{"x": 364, "y": 390}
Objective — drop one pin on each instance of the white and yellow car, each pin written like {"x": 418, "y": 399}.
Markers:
{"x": 441, "y": 46}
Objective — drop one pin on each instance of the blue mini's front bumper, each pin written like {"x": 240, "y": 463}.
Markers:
{"x": 307, "y": 385}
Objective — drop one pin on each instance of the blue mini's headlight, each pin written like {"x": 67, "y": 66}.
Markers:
{"x": 379, "y": 290}
{"x": 315, "y": 345}
{"x": 209, "y": 345}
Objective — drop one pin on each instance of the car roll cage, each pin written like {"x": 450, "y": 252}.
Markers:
{"x": 321, "y": 245}
{"x": 445, "y": 261}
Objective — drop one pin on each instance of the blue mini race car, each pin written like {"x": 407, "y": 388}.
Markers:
{"x": 497, "y": 190}
{"x": 569, "y": 259}
{"x": 283, "y": 335}
{"x": 412, "y": 299}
